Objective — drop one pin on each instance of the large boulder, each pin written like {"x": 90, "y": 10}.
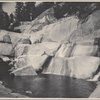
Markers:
{"x": 61, "y": 30}
{"x": 20, "y": 49}
{"x": 34, "y": 55}
{"x": 95, "y": 93}
{"x": 19, "y": 38}
{"x": 85, "y": 50}
{"x": 39, "y": 49}
{"x": 6, "y": 49}
{"x": 47, "y": 17}
{"x": 36, "y": 62}
{"x": 23, "y": 26}
{"x": 36, "y": 37}
{"x": 24, "y": 71}
{"x": 83, "y": 67}
{"x": 2, "y": 34}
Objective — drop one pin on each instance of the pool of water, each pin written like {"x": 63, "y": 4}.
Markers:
{"x": 50, "y": 86}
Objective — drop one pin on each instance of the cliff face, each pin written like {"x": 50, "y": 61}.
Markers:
{"x": 64, "y": 47}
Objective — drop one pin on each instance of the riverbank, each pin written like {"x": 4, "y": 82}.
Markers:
{"x": 7, "y": 93}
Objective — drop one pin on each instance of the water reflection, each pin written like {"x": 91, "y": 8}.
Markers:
{"x": 52, "y": 86}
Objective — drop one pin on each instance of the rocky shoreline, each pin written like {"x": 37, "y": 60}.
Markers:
{"x": 7, "y": 93}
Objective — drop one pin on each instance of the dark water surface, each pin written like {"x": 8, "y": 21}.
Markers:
{"x": 50, "y": 86}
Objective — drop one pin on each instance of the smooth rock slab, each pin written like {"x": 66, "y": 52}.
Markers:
{"x": 24, "y": 71}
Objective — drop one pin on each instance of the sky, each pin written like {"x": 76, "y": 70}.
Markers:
{"x": 9, "y": 7}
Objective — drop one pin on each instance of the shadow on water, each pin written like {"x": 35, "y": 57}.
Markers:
{"x": 4, "y": 68}
{"x": 49, "y": 86}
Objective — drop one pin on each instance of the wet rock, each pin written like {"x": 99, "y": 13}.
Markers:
{"x": 95, "y": 93}
{"x": 7, "y": 93}
{"x": 17, "y": 95}
{"x": 4, "y": 90}
{"x": 28, "y": 92}
{"x": 24, "y": 71}
{"x": 5, "y": 59}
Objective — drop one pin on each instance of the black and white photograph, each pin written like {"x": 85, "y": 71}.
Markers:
{"x": 49, "y": 49}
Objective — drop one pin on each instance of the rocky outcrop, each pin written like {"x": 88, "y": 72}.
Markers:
{"x": 34, "y": 55}
{"x": 59, "y": 48}
{"x": 20, "y": 49}
{"x": 39, "y": 49}
{"x": 24, "y": 71}
{"x": 82, "y": 50}
{"x": 83, "y": 67}
{"x": 17, "y": 38}
{"x": 36, "y": 37}
{"x": 29, "y": 60}
{"x": 92, "y": 23}
{"x": 95, "y": 93}
{"x": 47, "y": 17}
{"x": 62, "y": 30}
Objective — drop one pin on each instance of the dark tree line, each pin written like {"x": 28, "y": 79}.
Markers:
{"x": 80, "y": 9}
{"x": 24, "y": 11}
{"x": 27, "y": 11}
{"x": 4, "y": 20}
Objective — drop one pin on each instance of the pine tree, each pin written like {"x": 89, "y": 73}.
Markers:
{"x": 30, "y": 10}
{"x": 18, "y": 12}
{"x": 11, "y": 17}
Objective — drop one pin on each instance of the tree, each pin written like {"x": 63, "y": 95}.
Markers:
{"x": 25, "y": 11}
{"x": 11, "y": 17}
{"x": 6, "y": 21}
{"x": 43, "y": 6}
{"x": 18, "y": 12}
{"x": 30, "y": 10}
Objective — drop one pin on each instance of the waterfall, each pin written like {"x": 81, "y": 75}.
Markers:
{"x": 58, "y": 66}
